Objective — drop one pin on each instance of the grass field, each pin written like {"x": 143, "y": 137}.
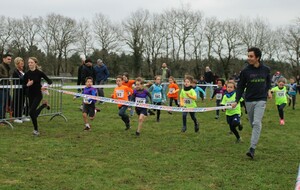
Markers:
{"x": 107, "y": 157}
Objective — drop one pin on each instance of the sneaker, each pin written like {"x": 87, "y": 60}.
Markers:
{"x": 26, "y": 119}
{"x": 183, "y": 129}
{"x": 281, "y": 122}
{"x": 127, "y": 126}
{"x": 239, "y": 140}
{"x": 157, "y": 120}
{"x": 36, "y": 133}
{"x": 169, "y": 112}
{"x": 87, "y": 128}
{"x": 18, "y": 121}
{"x": 250, "y": 153}
{"x": 217, "y": 117}
{"x": 196, "y": 127}
{"x": 240, "y": 127}
{"x": 137, "y": 134}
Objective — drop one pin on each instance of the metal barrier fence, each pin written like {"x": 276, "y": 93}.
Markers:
{"x": 14, "y": 104}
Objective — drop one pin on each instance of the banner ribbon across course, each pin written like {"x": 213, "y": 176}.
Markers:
{"x": 142, "y": 105}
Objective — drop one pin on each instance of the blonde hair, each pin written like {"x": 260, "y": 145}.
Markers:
{"x": 282, "y": 79}
{"x": 18, "y": 60}
{"x": 36, "y": 62}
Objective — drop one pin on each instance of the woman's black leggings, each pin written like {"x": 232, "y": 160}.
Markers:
{"x": 34, "y": 111}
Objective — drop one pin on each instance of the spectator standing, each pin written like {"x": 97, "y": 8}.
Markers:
{"x": 4, "y": 92}
{"x": 209, "y": 79}
{"x": 165, "y": 73}
{"x": 18, "y": 92}
{"x": 102, "y": 74}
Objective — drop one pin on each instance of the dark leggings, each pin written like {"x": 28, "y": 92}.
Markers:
{"x": 233, "y": 122}
{"x": 123, "y": 115}
{"x": 280, "y": 110}
{"x": 171, "y": 102}
{"x": 34, "y": 111}
{"x": 157, "y": 111}
{"x": 192, "y": 114}
{"x": 293, "y": 101}
{"x": 218, "y": 104}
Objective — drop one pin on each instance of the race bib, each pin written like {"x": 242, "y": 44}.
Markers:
{"x": 187, "y": 101}
{"x": 120, "y": 93}
{"x": 171, "y": 90}
{"x": 280, "y": 94}
{"x": 230, "y": 104}
{"x": 87, "y": 101}
{"x": 219, "y": 96}
{"x": 140, "y": 100}
{"x": 157, "y": 95}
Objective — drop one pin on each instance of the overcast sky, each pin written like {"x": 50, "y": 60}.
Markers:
{"x": 277, "y": 12}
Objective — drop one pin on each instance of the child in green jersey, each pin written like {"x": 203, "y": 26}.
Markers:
{"x": 232, "y": 115}
{"x": 188, "y": 99}
{"x": 281, "y": 96}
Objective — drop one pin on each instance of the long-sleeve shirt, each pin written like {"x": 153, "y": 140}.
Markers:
{"x": 102, "y": 73}
{"x": 36, "y": 76}
{"x": 256, "y": 80}
{"x": 218, "y": 92}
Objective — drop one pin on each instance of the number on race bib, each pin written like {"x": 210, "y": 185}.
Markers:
{"x": 187, "y": 101}
{"x": 140, "y": 100}
{"x": 120, "y": 93}
{"x": 280, "y": 93}
{"x": 171, "y": 90}
{"x": 157, "y": 95}
{"x": 219, "y": 96}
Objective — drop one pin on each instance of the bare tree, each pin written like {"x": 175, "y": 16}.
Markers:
{"x": 6, "y": 30}
{"x": 210, "y": 32}
{"x": 227, "y": 44}
{"x": 291, "y": 42}
{"x": 84, "y": 37}
{"x": 255, "y": 33}
{"x": 196, "y": 42}
{"x": 62, "y": 31}
{"x": 17, "y": 40}
{"x": 31, "y": 31}
{"x": 154, "y": 38}
{"x": 106, "y": 33}
{"x": 134, "y": 32}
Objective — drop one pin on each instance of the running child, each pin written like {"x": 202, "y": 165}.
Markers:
{"x": 122, "y": 92}
{"x": 158, "y": 94}
{"x": 218, "y": 92}
{"x": 173, "y": 92}
{"x": 32, "y": 86}
{"x": 140, "y": 95}
{"x": 88, "y": 108}
{"x": 202, "y": 84}
{"x": 292, "y": 92}
{"x": 199, "y": 91}
{"x": 233, "y": 116}
{"x": 129, "y": 84}
{"x": 280, "y": 92}
{"x": 188, "y": 99}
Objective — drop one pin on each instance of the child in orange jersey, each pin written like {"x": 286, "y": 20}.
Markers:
{"x": 173, "y": 92}
{"x": 129, "y": 84}
{"x": 122, "y": 92}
